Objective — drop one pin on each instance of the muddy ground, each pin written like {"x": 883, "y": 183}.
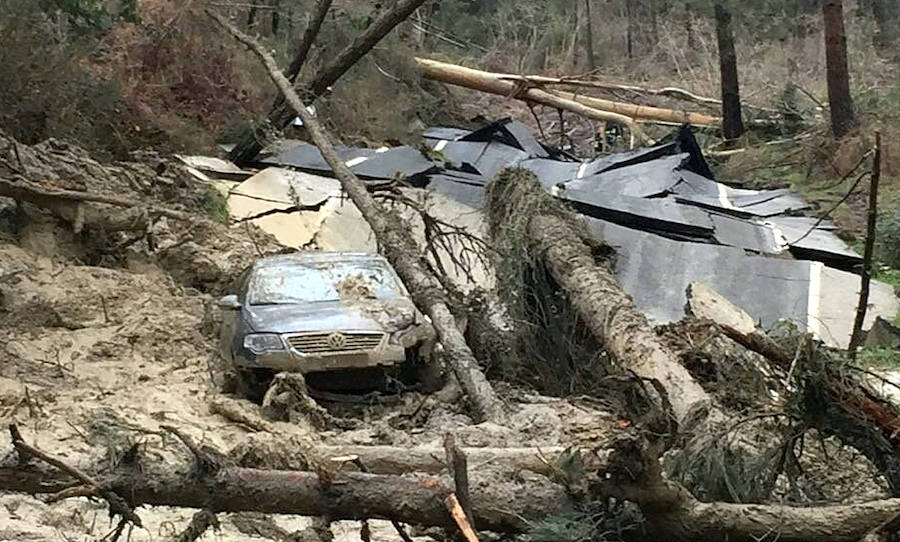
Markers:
{"x": 99, "y": 348}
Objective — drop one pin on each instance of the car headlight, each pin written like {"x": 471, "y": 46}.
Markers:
{"x": 259, "y": 343}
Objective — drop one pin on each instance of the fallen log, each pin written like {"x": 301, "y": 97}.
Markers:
{"x": 397, "y": 246}
{"x": 518, "y": 88}
{"x": 497, "y": 506}
{"x": 558, "y": 241}
{"x": 643, "y": 113}
{"x": 488, "y": 82}
{"x": 283, "y": 454}
{"x": 352, "y": 495}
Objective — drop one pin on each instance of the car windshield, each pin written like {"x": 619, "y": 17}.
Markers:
{"x": 296, "y": 282}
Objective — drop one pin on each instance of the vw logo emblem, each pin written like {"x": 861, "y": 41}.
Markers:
{"x": 337, "y": 341}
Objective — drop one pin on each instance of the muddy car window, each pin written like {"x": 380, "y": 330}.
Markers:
{"x": 332, "y": 281}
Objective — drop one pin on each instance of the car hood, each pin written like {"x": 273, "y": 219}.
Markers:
{"x": 369, "y": 315}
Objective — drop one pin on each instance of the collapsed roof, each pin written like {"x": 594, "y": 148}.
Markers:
{"x": 670, "y": 221}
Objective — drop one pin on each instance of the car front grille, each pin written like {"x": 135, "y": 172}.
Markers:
{"x": 335, "y": 342}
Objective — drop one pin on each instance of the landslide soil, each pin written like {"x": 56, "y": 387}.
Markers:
{"x": 95, "y": 358}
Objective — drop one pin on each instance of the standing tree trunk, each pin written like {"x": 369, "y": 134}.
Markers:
{"x": 250, "y": 143}
{"x": 732, "y": 121}
{"x": 630, "y": 28}
{"x": 841, "y": 104}
{"x": 589, "y": 36}
{"x": 276, "y": 16}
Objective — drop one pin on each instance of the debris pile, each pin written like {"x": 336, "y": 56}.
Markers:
{"x": 670, "y": 222}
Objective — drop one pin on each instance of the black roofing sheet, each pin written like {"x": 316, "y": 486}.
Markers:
{"x": 551, "y": 172}
{"x": 405, "y": 161}
{"x": 663, "y": 216}
{"x": 807, "y": 239}
{"x": 307, "y": 157}
{"x": 497, "y": 156}
{"x": 629, "y": 158}
{"x": 367, "y": 163}
{"x": 656, "y": 272}
{"x": 640, "y": 180}
{"x": 692, "y": 184}
{"x": 461, "y": 152}
{"x": 447, "y": 134}
{"x": 509, "y": 132}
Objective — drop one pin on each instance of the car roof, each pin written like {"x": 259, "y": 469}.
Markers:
{"x": 314, "y": 256}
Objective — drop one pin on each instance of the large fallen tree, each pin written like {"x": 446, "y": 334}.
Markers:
{"x": 209, "y": 483}
{"x": 525, "y": 89}
{"x": 394, "y": 241}
{"x": 563, "y": 245}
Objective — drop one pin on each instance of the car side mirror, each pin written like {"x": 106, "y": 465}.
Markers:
{"x": 230, "y": 302}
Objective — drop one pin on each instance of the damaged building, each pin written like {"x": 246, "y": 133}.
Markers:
{"x": 670, "y": 222}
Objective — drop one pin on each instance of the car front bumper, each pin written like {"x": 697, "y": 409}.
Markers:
{"x": 295, "y": 362}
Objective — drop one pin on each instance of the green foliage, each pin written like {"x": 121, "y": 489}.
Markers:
{"x": 878, "y": 357}
{"x": 888, "y": 275}
{"x": 216, "y": 205}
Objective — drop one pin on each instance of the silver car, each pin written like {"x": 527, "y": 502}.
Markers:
{"x": 313, "y": 312}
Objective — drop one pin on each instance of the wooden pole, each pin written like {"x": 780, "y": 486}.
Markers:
{"x": 868, "y": 253}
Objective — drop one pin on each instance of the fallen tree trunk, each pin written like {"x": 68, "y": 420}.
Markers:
{"x": 497, "y": 506}
{"x": 643, "y": 113}
{"x": 395, "y": 460}
{"x": 397, "y": 246}
{"x": 488, "y": 82}
{"x": 591, "y": 287}
{"x": 523, "y": 89}
{"x": 667, "y": 92}
{"x": 352, "y": 496}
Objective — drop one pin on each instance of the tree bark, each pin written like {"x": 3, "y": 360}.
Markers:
{"x": 77, "y": 207}
{"x": 251, "y": 143}
{"x": 630, "y": 28}
{"x": 732, "y": 119}
{"x": 486, "y": 82}
{"x": 396, "y": 460}
{"x": 398, "y": 247}
{"x": 612, "y": 316}
{"x": 843, "y": 120}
